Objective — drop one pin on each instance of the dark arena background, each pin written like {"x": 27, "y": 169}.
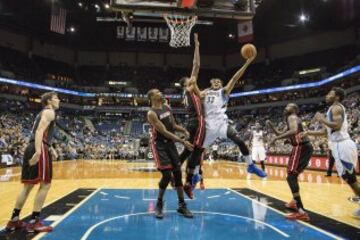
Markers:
{"x": 101, "y": 58}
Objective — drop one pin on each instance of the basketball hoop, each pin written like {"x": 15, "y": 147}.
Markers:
{"x": 180, "y": 29}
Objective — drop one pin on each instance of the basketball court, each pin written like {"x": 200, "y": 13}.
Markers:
{"x": 116, "y": 199}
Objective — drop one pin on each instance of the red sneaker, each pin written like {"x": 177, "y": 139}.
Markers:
{"x": 188, "y": 190}
{"x": 291, "y": 205}
{"x": 14, "y": 225}
{"x": 202, "y": 185}
{"x": 38, "y": 226}
{"x": 298, "y": 216}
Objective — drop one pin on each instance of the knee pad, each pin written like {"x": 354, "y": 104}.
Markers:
{"x": 350, "y": 178}
{"x": 293, "y": 183}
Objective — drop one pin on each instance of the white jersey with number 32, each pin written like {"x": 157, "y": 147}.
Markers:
{"x": 215, "y": 105}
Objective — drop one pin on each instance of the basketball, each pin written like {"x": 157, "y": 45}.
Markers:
{"x": 248, "y": 51}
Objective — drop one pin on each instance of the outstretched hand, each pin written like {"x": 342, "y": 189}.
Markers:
{"x": 196, "y": 40}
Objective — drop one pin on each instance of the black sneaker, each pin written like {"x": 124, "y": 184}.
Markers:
{"x": 159, "y": 209}
{"x": 354, "y": 199}
{"x": 184, "y": 211}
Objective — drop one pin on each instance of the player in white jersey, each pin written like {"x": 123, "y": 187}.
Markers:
{"x": 215, "y": 100}
{"x": 342, "y": 147}
{"x": 258, "y": 152}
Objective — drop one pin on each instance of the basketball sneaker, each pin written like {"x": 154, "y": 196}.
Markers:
{"x": 298, "y": 216}
{"x": 195, "y": 179}
{"x": 37, "y": 226}
{"x": 354, "y": 199}
{"x": 14, "y": 225}
{"x": 255, "y": 170}
{"x": 291, "y": 205}
{"x": 159, "y": 209}
{"x": 188, "y": 190}
{"x": 183, "y": 210}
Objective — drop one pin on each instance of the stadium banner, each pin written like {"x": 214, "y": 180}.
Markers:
{"x": 120, "y": 32}
{"x": 141, "y": 33}
{"x": 316, "y": 162}
{"x": 130, "y": 33}
{"x": 153, "y": 34}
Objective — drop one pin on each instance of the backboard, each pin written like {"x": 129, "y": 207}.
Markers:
{"x": 227, "y": 9}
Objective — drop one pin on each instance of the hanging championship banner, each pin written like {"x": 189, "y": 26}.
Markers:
{"x": 163, "y": 34}
{"x": 120, "y": 32}
{"x": 153, "y": 34}
{"x": 130, "y": 33}
{"x": 141, "y": 33}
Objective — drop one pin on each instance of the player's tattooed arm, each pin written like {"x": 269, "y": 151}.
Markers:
{"x": 231, "y": 84}
{"x": 160, "y": 127}
{"x": 337, "y": 118}
{"x": 180, "y": 128}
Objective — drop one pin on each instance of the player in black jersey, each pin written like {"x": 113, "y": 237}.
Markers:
{"x": 37, "y": 166}
{"x": 299, "y": 158}
{"x": 195, "y": 125}
{"x": 162, "y": 140}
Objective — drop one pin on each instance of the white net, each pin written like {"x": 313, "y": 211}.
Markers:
{"x": 180, "y": 29}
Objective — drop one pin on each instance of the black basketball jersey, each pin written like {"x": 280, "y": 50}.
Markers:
{"x": 193, "y": 104}
{"x": 166, "y": 117}
{"x": 297, "y": 139}
{"x": 49, "y": 132}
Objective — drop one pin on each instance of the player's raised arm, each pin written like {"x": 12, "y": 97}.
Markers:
{"x": 235, "y": 78}
{"x": 196, "y": 60}
{"x": 194, "y": 87}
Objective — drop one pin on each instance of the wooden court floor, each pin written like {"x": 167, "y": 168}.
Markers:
{"x": 326, "y": 196}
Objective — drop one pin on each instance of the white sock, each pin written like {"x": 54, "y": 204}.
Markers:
{"x": 196, "y": 170}
{"x": 248, "y": 160}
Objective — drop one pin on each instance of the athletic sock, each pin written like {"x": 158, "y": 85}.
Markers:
{"x": 34, "y": 216}
{"x": 15, "y": 214}
{"x": 248, "y": 160}
{"x": 299, "y": 203}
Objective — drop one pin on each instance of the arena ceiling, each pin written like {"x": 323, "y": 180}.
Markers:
{"x": 275, "y": 20}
